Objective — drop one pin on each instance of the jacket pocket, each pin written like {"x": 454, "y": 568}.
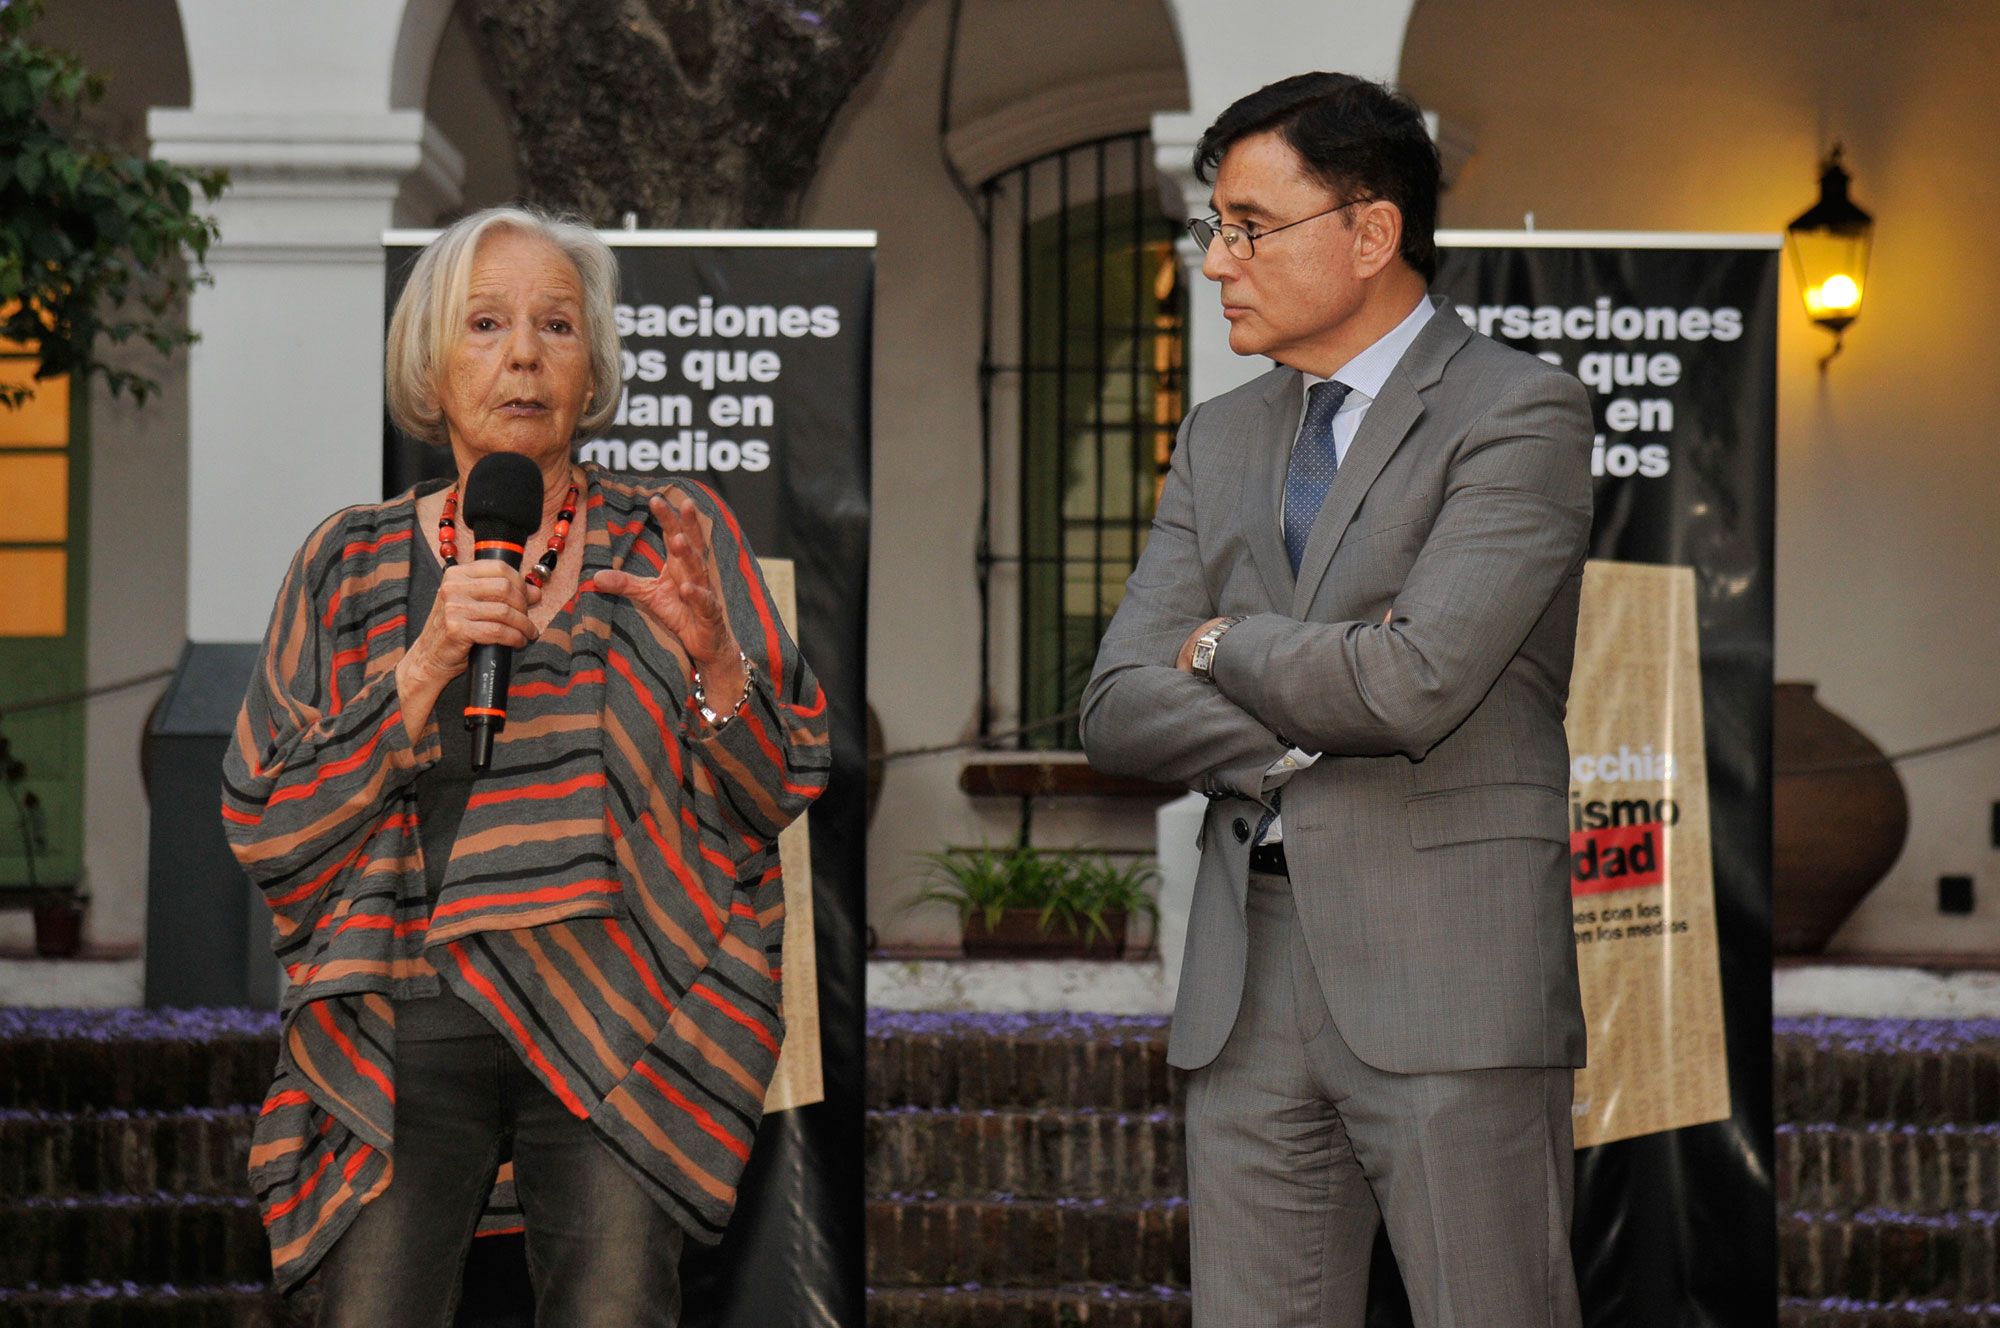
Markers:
{"x": 1487, "y": 811}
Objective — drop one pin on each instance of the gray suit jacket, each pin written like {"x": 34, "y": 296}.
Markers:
{"x": 1428, "y": 848}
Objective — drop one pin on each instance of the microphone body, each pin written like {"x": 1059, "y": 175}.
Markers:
{"x": 491, "y": 667}
{"x": 503, "y": 505}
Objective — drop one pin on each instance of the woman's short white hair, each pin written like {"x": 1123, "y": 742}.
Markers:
{"x": 430, "y": 316}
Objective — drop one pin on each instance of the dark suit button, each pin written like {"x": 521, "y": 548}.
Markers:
{"x": 1240, "y": 828}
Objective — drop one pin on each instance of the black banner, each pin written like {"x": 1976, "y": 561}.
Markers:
{"x": 747, "y": 369}
{"x": 1676, "y": 339}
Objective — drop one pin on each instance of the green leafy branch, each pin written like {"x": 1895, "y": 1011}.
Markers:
{"x": 96, "y": 244}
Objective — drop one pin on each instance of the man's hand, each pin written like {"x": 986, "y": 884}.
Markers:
{"x": 1185, "y": 661}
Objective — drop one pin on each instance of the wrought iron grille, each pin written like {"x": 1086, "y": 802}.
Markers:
{"x": 1081, "y": 393}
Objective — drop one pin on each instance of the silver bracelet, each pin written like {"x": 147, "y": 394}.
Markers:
{"x": 716, "y": 721}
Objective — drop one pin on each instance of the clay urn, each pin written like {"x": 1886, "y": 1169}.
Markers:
{"x": 1839, "y": 817}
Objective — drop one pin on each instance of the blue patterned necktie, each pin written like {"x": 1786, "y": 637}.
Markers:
{"x": 1314, "y": 464}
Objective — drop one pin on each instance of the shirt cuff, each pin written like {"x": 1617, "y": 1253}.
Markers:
{"x": 1282, "y": 769}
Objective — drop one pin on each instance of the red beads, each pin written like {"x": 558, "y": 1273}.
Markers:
{"x": 448, "y": 528}
{"x": 544, "y": 567}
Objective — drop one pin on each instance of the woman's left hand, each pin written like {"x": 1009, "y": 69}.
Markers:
{"x": 685, "y": 598}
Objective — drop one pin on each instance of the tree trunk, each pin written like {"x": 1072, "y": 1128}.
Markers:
{"x": 690, "y": 113}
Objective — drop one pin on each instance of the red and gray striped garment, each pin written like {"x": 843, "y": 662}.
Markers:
{"x": 613, "y": 905}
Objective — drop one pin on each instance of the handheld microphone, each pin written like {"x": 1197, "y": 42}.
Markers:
{"x": 503, "y": 505}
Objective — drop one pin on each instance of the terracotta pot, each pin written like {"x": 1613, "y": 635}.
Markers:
{"x": 1834, "y": 832}
{"x": 58, "y": 929}
{"x": 1020, "y": 936}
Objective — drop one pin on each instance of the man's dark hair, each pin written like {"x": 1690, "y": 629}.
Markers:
{"x": 1361, "y": 139}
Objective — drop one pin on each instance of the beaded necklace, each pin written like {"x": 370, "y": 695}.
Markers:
{"x": 544, "y": 567}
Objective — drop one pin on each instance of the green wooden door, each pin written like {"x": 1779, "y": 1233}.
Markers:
{"x": 44, "y": 484}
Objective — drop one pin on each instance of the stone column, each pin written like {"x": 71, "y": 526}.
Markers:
{"x": 285, "y": 385}
{"x": 313, "y": 109}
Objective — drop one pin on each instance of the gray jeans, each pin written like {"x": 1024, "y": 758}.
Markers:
{"x": 600, "y": 1250}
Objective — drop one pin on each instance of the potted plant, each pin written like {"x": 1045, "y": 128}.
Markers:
{"x": 58, "y": 914}
{"x": 1025, "y": 903}
{"x": 57, "y": 909}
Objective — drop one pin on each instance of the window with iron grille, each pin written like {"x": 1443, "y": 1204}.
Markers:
{"x": 1082, "y": 389}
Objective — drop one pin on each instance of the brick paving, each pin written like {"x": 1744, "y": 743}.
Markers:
{"x": 1023, "y": 1170}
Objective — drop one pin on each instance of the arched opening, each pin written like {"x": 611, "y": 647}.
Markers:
{"x": 438, "y": 66}
{"x": 143, "y": 56}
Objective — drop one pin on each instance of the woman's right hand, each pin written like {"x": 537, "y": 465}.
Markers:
{"x": 478, "y": 603}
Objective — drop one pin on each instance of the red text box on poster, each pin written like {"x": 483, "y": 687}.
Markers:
{"x": 1618, "y": 857}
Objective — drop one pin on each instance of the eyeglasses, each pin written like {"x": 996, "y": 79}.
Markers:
{"x": 1241, "y": 242}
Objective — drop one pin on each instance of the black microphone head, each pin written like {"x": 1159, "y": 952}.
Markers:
{"x": 503, "y": 497}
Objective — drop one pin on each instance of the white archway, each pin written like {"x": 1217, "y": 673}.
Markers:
{"x": 303, "y": 106}
{"x": 418, "y": 34}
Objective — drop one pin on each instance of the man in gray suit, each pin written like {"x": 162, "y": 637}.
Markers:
{"x": 1352, "y": 628}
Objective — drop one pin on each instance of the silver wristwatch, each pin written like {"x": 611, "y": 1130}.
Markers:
{"x": 1203, "y": 662}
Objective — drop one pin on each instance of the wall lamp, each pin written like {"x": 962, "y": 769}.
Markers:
{"x": 1829, "y": 243}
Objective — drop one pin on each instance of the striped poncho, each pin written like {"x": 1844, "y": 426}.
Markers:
{"x": 613, "y": 904}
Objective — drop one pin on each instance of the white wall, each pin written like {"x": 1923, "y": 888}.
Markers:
{"x": 1708, "y": 115}
{"x": 138, "y": 601}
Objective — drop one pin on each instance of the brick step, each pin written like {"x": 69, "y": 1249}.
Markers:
{"x": 125, "y": 1305}
{"x": 1836, "y": 1071}
{"x": 1837, "y": 1313}
{"x": 1828, "y": 1070}
{"x": 135, "y": 1060}
{"x": 918, "y": 1241}
{"x": 1090, "y": 1306}
{"x": 1038, "y": 1154}
{"x": 198, "y": 1150}
{"x": 976, "y": 1061}
{"x": 1915, "y": 1071}
{"x": 181, "y": 1240}
{"x": 1927, "y": 1170}
{"x": 1889, "y": 1257}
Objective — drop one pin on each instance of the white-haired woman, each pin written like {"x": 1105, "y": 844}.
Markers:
{"x": 545, "y": 994}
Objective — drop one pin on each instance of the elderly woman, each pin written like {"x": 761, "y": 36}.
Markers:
{"x": 545, "y": 992}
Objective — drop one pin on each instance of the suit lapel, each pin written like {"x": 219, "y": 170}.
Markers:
{"x": 1264, "y": 437}
{"x": 1389, "y": 420}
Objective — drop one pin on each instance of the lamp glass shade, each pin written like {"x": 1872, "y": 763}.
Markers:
{"x": 1829, "y": 244}
{"x": 1833, "y": 274}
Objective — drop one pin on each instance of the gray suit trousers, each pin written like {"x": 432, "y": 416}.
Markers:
{"x": 1298, "y": 1151}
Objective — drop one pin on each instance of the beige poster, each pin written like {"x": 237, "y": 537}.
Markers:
{"x": 798, "y": 1082}
{"x": 1643, "y": 886}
